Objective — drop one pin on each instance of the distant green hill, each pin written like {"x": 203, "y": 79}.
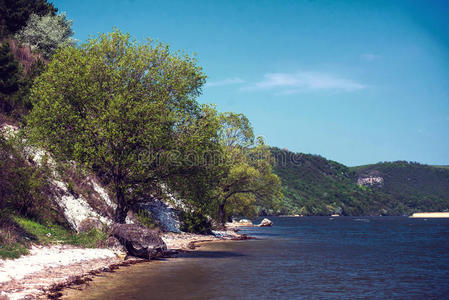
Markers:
{"x": 417, "y": 186}
{"x": 313, "y": 185}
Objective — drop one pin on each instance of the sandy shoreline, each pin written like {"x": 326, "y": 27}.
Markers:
{"x": 430, "y": 215}
{"x": 48, "y": 269}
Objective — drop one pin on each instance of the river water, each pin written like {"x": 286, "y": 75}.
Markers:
{"x": 310, "y": 257}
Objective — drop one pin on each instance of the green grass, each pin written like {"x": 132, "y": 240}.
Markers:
{"x": 47, "y": 235}
{"x": 12, "y": 251}
{"x": 55, "y": 234}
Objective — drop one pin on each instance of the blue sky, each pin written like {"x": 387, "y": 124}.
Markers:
{"x": 355, "y": 81}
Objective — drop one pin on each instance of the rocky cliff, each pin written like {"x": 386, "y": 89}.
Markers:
{"x": 83, "y": 200}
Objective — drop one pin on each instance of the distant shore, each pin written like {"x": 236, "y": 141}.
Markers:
{"x": 49, "y": 269}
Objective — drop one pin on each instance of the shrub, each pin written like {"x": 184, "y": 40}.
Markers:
{"x": 12, "y": 251}
{"x": 24, "y": 188}
{"x": 195, "y": 222}
{"x": 145, "y": 218}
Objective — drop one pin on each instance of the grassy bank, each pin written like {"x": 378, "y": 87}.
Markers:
{"x": 18, "y": 234}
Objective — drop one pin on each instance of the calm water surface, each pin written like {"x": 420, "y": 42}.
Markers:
{"x": 313, "y": 257}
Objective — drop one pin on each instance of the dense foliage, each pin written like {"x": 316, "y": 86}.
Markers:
{"x": 195, "y": 222}
{"x": 22, "y": 186}
{"x": 9, "y": 78}
{"x": 30, "y": 31}
{"x": 46, "y": 33}
{"x": 313, "y": 185}
{"x": 15, "y": 83}
{"x": 246, "y": 179}
{"x": 15, "y": 13}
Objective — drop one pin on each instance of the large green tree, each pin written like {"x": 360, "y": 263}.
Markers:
{"x": 247, "y": 180}
{"x": 118, "y": 106}
{"x": 204, "y": 155}
{"x": 233, "y": 174}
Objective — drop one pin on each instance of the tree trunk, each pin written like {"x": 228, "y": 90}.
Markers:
{"x": 122, "y": 206}
{"x": 222, "y": 214}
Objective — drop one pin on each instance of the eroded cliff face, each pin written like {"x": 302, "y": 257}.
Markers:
{"x": 75, "y": 207}
{"x": 83, "y": 200}
{"x": 369, "y": 180}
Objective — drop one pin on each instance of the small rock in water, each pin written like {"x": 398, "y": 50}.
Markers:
{"x": 265, "y": 222}
{"x": 245, "y": 222}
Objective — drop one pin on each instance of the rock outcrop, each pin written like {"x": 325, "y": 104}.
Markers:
{"x": 139, "y": 241}
{"x": 242, "y": 222}
{"x": 90, "y": 223}
{"x": 372, "y": 178}
{"x": 265, "y": 223}
{"x": 114, "y": 244}
{"x": 164, "y": 214}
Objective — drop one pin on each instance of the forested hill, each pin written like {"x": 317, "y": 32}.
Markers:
{"x": 313, "y": 185}
{"x": 414, "y": 185}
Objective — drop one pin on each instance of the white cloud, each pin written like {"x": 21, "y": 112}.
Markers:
{"x": 292, "y": 83}
{"x": 370, "y": 56}
{"x": 227, "y": 81}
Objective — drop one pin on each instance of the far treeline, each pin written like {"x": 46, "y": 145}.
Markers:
{"x": 313, "y": 185}
{"x": 127, "y": 112}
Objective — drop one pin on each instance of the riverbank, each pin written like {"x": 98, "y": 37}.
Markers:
{"x": 48, "y": 269}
